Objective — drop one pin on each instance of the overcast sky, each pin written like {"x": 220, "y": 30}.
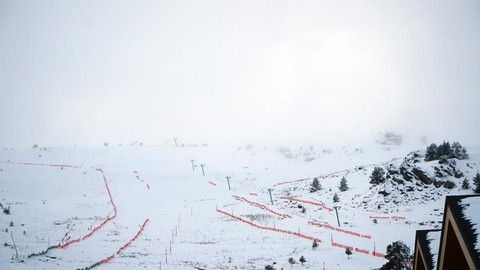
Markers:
{"x": 85, "y": 72}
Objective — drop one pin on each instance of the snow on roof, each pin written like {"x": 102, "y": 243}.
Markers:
{"x": 471, "y": 212}
{"x": 433, "y": 239}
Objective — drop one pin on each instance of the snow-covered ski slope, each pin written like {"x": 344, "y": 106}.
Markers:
{"x": 145, "y": 207}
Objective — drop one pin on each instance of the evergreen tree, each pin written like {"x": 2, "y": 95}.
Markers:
{"x": 315, "y": 244}
{"x": 335, "y": 198}
{"x": 447, "y": 148}
{"x": 302, "y": 260}
{"x": 444, "y": 149}
{"x": 343, "y": 184}
{"x": 291, "y": 261}
{"x": 449, "y": 184}
{"x": 270, "y": 267}
{"x": 465, "y": 184}
{"x": 377, "y": 176}
{"x": 476, "y": 183}
{"x": 458, "y": 151}
{"x": 315, "y": 185}
{"x": 431, "y": 152}
{"x": 398, "y": 256}
{"x": 348, "y": 252}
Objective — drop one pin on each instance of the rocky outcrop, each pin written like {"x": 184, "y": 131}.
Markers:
{"x": 422, "y": 176}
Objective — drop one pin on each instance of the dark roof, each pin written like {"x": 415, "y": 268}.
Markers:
{"x": 421, "y": 237}
{"x": 466, "y": 228}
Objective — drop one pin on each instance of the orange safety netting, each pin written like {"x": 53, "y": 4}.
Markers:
{"x": 309, "y": 202}
{"x": 261, "y": 206}
{"x": 330, "y": 227}
{"x": 108, "y": 219}
{"x": 269, "y": 228}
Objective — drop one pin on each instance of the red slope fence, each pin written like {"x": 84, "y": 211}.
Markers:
{"x": 290, "y": 182}
{"x": 43, "y": 164}
{"x": 358, "y": 250}
{"x": 388, "y": 217}
{"x": 108, "y": 219}
{"x": 333, "y": 173}
{"x": 309, "y": 202}
{"x": 111, "y": 257}
{"x": 355, "y": 249}
{"x": 269, "y": 228}
{"x": 346, "y": 171}
{"x": 64, "y": 166}
{"x": 306, "y": 179}
{"x": 261, "y": 206}
{"x": 334, "y": 244}
{"x": 330, "y": 227}
{"x": 378, "y": 254}
{"x": 143, "y": 181}
{"x": 328, "y": 175}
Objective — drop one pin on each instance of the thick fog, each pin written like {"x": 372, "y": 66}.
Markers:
{"x": 88, "y": 72}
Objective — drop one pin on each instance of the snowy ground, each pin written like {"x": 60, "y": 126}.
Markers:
{"x": 156, "y": 186}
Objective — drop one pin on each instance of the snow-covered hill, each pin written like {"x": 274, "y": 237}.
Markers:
{"x": 135, "y": 207}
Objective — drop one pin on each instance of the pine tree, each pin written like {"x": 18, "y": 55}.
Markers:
{"x": 458, "y": 151}
{"x": 398, "y": 256}
{"x": 377, "y": 176}
{"x": 302, "y": 260}
{"x": 348, "y": 252}
{"x": 315, "y": 185}
{"x": 476, "y": 183}
{"x": 291, "y": 261}
{"x": 431, "y": 152}
{"x": 343, "y": 184}
{"x": 315, "y": 244}
{"x": 465, "y": 184}
{"x": 444, "y": 149}
{"x": 449, "y": 184}
{"x": 335, "y": 198}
